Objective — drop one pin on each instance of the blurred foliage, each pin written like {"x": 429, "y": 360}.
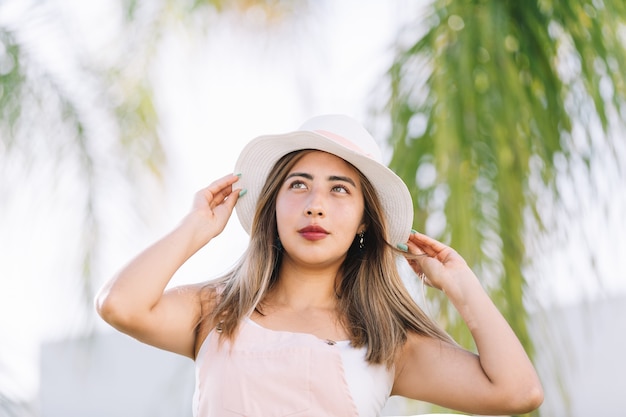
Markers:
{"x": 11, "y": 81}
{"x": 98, "y": 109}
{"x": 37, "y": 98}
{"x": 487, "y": 95}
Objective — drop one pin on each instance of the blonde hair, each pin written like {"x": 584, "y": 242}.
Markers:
{"x": 374, "y": 306}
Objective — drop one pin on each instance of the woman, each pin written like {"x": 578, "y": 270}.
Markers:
{"x": 314, "y": 319}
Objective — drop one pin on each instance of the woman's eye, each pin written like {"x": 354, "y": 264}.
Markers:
{"x": 299, "y": 185}
{"x": 341, "y": 189}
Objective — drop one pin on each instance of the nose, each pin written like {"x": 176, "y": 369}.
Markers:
{"x": 315, "y": 212}
{"x": 315, "y": 207}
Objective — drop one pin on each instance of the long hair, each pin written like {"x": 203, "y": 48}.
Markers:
{"x": 374, "y": 306}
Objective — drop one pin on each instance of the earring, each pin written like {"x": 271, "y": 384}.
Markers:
{"x": 361, "y": 237}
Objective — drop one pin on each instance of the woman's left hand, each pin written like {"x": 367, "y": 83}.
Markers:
{"x": 439, "y": 265}
{"x": 500, "y": 379}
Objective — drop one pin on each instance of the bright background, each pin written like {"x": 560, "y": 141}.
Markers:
{"x": 214, "y": 93}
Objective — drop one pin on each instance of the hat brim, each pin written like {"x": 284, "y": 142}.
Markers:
{"x": 261, "y": 154}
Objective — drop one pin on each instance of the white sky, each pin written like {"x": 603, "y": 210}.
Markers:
{"x": 214, "y": 95}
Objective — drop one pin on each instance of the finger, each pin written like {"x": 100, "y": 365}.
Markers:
{"x": 414, "y": 249}
{"x": 427, "y": 244}
{"x": 416, "y": 257}
{"x": 231, "y": 199}
{"x": 420, "y": 248}
{"x": 220, "y": 189}
{"x": 425, "y": 256}
{"x": 221, "y": 196}
{"x": 225, "y": 182}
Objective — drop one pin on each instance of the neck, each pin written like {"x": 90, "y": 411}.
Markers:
{"x": 301, "y": 288}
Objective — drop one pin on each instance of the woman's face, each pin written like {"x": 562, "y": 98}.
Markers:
{"x": 319, "y": 210}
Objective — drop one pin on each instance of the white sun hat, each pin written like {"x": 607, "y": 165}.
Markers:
{"x": 341, "y": 136}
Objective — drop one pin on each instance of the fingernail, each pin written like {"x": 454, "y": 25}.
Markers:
{"x": 413, "y": 231}
{"x": 402, "y": 247}
{"x": 238, "y": 175}
{"x": 243, "y": 192}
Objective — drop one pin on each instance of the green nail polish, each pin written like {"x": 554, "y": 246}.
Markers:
{"x": 413, "y": 231}
{"x": 238, "y": 175}
{"x": 402, "y": 247}
{"x": 243, "y": 192}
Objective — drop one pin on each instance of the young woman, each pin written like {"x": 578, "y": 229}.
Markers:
{"x": 314, "y": 320}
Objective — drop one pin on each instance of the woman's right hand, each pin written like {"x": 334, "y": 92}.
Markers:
{"x": 135, "y": 300}
{"x": 213, "y": 206}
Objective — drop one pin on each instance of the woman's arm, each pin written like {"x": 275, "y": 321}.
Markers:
{"x": 499, "y": 380}
{"x": 135, "y": 302}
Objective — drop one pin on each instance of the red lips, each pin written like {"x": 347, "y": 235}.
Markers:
{"x": 313, "y": 232}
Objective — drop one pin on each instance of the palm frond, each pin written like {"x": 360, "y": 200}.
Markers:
{"x": 489, "y": 97}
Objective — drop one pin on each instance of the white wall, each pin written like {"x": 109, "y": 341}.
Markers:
{"x": 113, "y": 375}
{"x": 581, "y": 350}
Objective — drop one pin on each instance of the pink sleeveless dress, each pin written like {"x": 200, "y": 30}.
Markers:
{"x": 273, "y": 374}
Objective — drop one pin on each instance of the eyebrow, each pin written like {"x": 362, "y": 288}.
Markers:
{"x": 330, "y": 178}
